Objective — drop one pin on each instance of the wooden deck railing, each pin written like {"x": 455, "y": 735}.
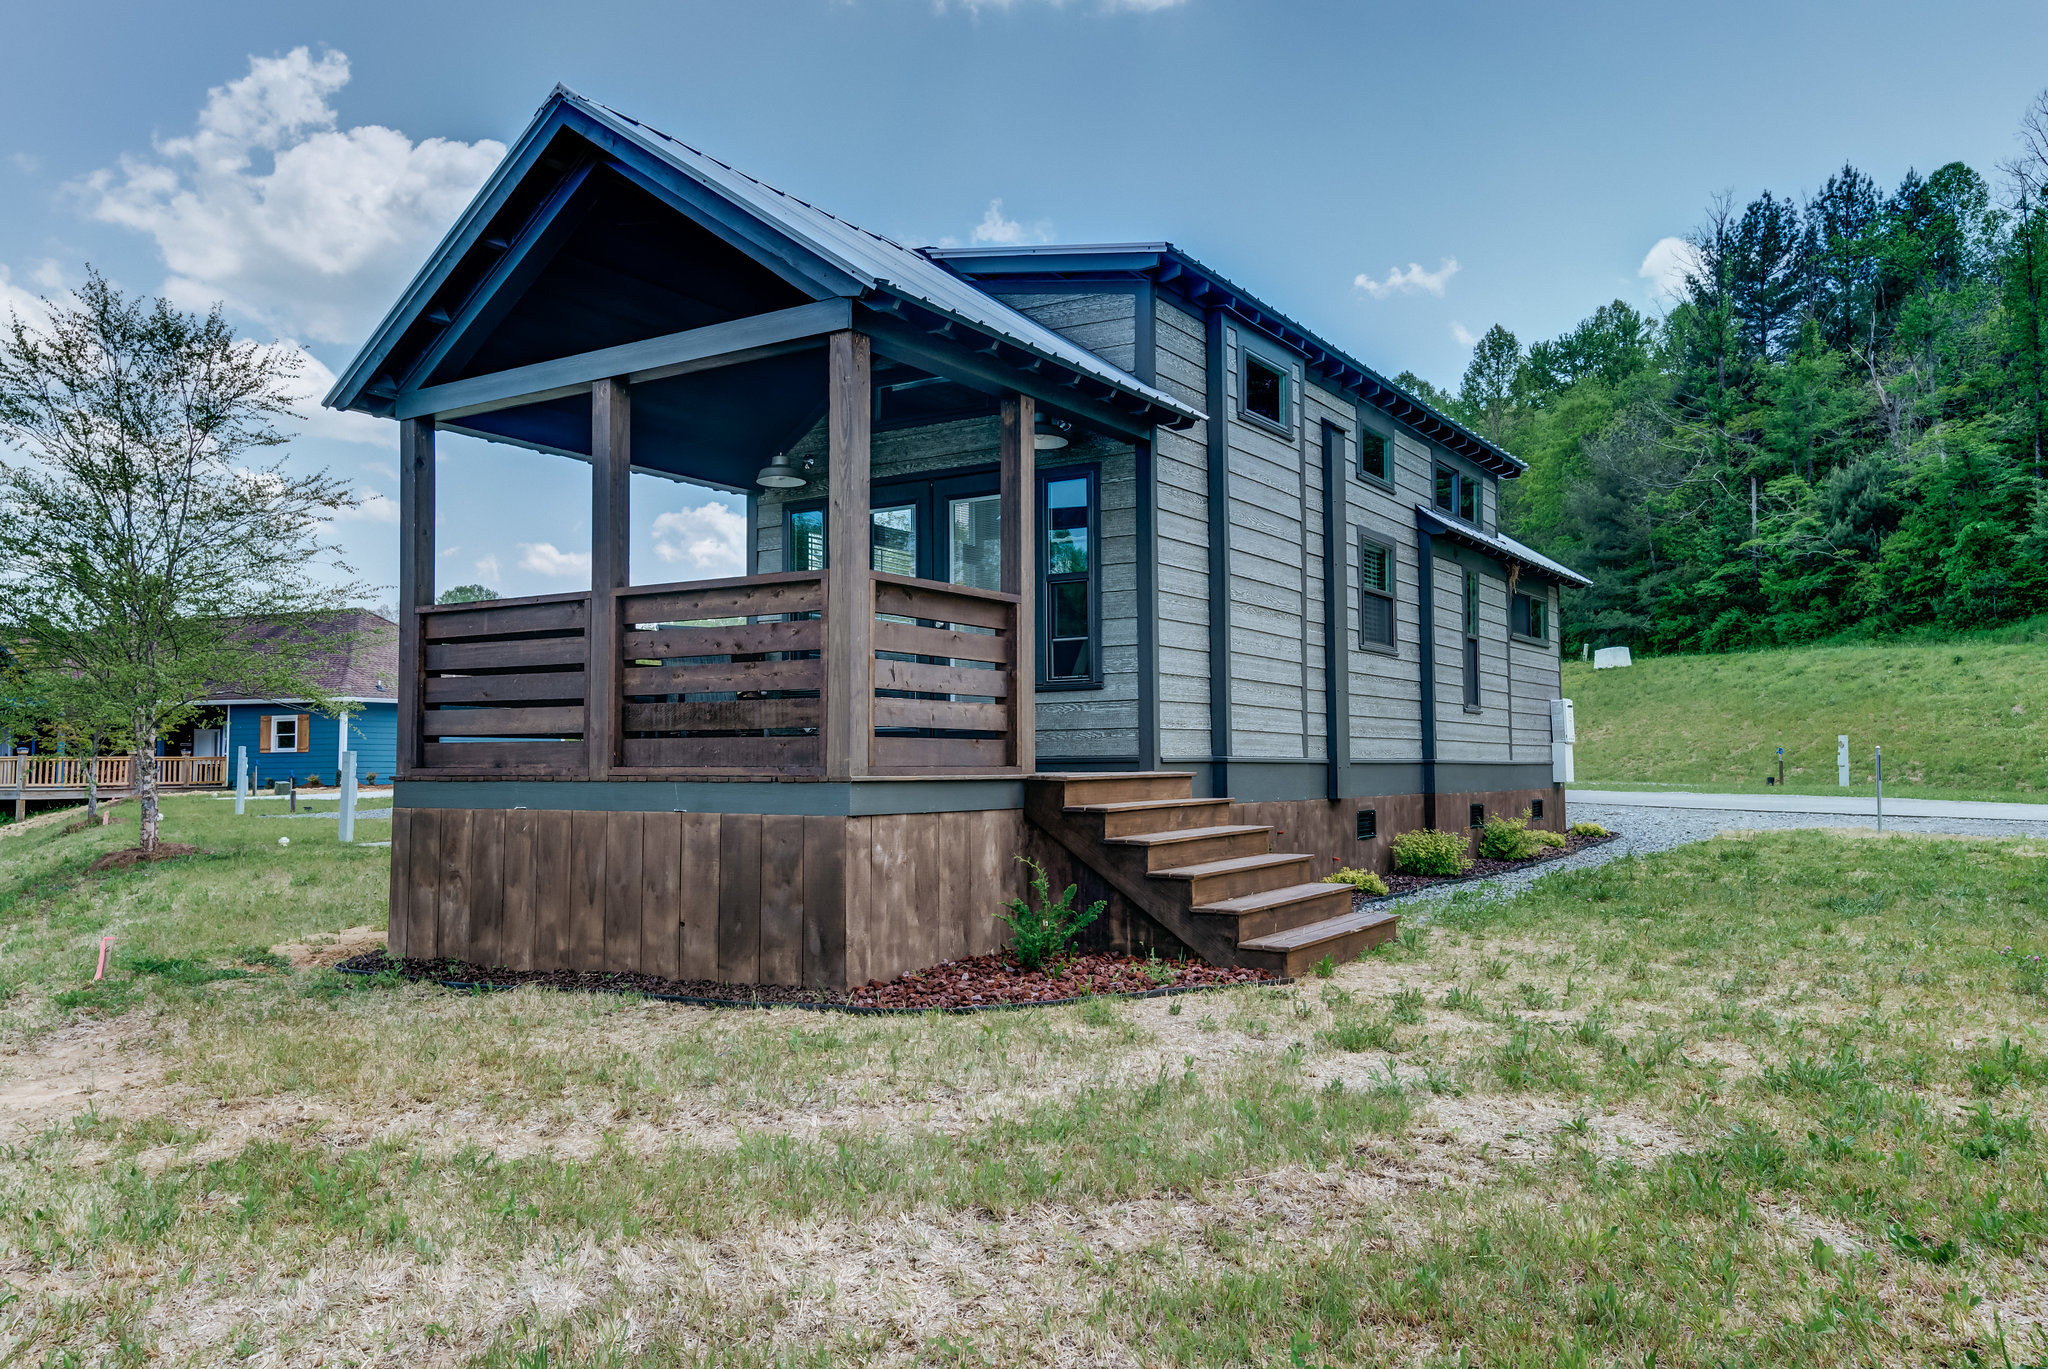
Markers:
{"x": 115, "y": 774}
{"x": 718, "y": 678}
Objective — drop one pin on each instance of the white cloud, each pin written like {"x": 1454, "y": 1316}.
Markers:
{"x": 271, "y": 208}
{"x": 1665, "y": 266}
{"x": 542, "y": 558}
{"x": 1413, "y": 281}
{"x": 487, "y": 567}
{"x": 710, "y": 539}
{"x": 314, "y": 379}
{"x": 16, "y": 300}
{"x": 1464, "y": 336}
{"x": 996, "y": 231}
{"x": 27, "y": 163}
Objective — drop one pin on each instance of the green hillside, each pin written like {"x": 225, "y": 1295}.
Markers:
{"x": 1957, "y": 719}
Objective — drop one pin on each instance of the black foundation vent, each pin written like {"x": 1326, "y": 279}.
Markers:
{"x": 1535, "y": 810}
{"x": 1368, "y": 823}
{"x": 1478, "y": 815}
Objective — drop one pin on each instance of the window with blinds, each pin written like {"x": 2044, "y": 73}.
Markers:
{"x": 1375, "y": 595}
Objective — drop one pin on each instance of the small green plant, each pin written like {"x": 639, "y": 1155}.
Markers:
{"x": 1099, "y": 1012}
{"x": 1157, "y": 970}
{"x": 1362, "y": 1034}
{"x": 1589, "y": 829}
{"x": 1547, "y": 838}
{"x": 1507, "y": 838}
{"x": 1365, "y": 881}
{"x": 1405, "y": 1007}
{"x": 1042, "y": 933}
{"x": 1325, "y": 967}
{"x": 1989, "y": 1076}
{"x": 1426, "y": 851}
{"x": 2029, "y": 973}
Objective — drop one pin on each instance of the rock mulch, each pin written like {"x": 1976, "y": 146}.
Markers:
{"x": 954, "y": 986}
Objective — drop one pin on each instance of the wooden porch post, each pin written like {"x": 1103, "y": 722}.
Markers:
{"x": 849, "y": 728}
{"x": 415, "y": 578}
{"x": 611, "y": 485}
{"x": 1020, "y": 572}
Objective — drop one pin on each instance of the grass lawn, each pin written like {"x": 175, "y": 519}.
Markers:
{"x": 1965, "y": 719}
{"x": 1764, "y": 1100}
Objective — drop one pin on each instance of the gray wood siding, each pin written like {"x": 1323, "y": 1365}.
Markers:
{"x": 1268, "y": 578}
{"x": 1463, "y": 736}
{"x": 1181, "y": 531}
{"x": 1105, "y": 323}
{"x": 1536, "y": 682}
{"x": 1386, "y": 707}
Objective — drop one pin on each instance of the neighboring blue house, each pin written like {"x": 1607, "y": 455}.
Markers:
{"x": 288, "y": 740}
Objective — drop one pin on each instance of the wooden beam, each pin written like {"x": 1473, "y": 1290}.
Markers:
{"x": 611, "y": 470}
{"x": 849, "y": 655}
{"x": 656, "y": 358}
{"x": 1019, "y": 493}
{"x": 415, "y": 577}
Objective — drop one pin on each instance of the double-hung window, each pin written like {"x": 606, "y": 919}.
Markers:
{"x": 1458, "y": 493}
{"x": 1069, "y": 613}
{"x": 1530, "y": 616}
{"x": 1471, "y": 640}
{"x": 1375, "y": 595}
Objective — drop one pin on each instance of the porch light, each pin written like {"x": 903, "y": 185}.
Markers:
{"x": 778, "y": 474}
{"x": 1049, "y": 434}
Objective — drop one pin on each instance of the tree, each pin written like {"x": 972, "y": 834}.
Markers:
{"x": 148, "y": 551}
{"x": 1489, "y": 382}
{"x": 467, "y": 594}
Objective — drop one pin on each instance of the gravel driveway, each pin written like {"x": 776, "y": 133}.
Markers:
{"x": 1645, "y": 829}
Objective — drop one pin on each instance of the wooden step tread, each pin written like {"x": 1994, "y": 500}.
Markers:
{"x": 1230, "y": 866}
{"x": 1270, "y": 898}
{"x": 1069, "y": 776}
{"x": 1182, "y": 834}
{"x": 1294, "y": 938}
{"x": 1141, "y": 805}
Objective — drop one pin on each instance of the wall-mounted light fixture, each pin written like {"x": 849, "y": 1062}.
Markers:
{"x": 778, "y": 474}
{"x": 1049, "y": 434}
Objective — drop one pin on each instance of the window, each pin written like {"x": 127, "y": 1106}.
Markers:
{"x": 1372, "y": 456}
{"x": 1530, "y": 616}
{"x": 1471, "y": 640}
{"x": 1458, "y": 493}
{"x": 1478, "y": 815}
{"x": 1265, "y": 390}
{"x": 1368, "y": 823}
{"x": 1375, "y": 595}
{"x": 805, "y": 539}
{"x": 284, "y": 732}
{"x": 1068, "y": 611}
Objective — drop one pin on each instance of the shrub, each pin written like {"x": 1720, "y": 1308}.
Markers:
{"x": 1507, "y": 838}
{"x": 1363, "y": 880}
{"x": 1426, "y": 851}
{"x": 1545, "y": 837}
{"x": 1589, "y": 829}
{"x": 1041, "y": 933}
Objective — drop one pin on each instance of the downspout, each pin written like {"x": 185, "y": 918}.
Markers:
{"x": 1219, "y": 558}
{"x": 1336, "y": 570}
{"x": 1425, "y": 587}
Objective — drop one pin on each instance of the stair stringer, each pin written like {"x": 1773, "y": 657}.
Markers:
{"x": 1124, "y": 869}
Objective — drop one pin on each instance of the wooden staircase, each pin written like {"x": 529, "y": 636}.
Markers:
{"x": 1218, "y": 886}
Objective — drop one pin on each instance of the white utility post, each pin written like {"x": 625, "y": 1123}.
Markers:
{"x": 1842, "y": 761}
{"x": 1880, "y": 789}
{"x": 241, "y": 779}
{"x": 348, "y": 796}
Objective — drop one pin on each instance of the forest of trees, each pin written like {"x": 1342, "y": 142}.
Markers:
{"x": 1837, "y": 429}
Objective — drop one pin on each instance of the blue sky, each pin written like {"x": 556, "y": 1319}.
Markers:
{"x": 1398, "y": 177}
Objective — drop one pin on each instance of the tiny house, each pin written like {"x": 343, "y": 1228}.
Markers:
{"x": 1078, "y": 553}
{"x": 292, "y": 739}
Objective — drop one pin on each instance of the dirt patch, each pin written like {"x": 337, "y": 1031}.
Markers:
{"x": 91, "y": 1063}
{"x": 329, "y": 948}
{"x": 953, "y": 986}
{"x": 135, "y": 855}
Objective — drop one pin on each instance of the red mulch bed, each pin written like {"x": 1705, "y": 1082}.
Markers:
{"x": 1481, "y": 867}
{"x": 135, "y": 855}
{"x": 955, "y": 986}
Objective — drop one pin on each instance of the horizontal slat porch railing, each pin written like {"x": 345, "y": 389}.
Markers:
{"x": 115, "y": 774}
{"x": 501, "y": 689}
{"x": 719, "y": 678}
{"x": 944, "y": 678}
{"x": 723, "y": 677}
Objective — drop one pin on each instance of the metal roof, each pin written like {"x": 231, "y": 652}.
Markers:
{"x": 876, "y": 263}
{"x": 1166, "y": 263}
{"x": 1433, "y": 521}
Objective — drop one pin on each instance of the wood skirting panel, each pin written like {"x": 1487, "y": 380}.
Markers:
{"x": 1329, "y": 830}
{"x": 745, "y": 898}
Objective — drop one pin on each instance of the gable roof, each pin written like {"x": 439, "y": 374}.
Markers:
{"x": 367, "y": 658}
{"x": 831, "y": 258}
{"x": 1168, "y": 265}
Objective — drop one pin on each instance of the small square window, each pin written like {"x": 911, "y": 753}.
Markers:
{"x": 1478, "y": 815}
{"x": 1265, "y": 391}
{"x": 284, "y": 732}
{"x": 1368, "y": 823}
{"x": 1372, "y": 455}
{"x": 1535, "y": 810}
{"x": 1531, "y": 616}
